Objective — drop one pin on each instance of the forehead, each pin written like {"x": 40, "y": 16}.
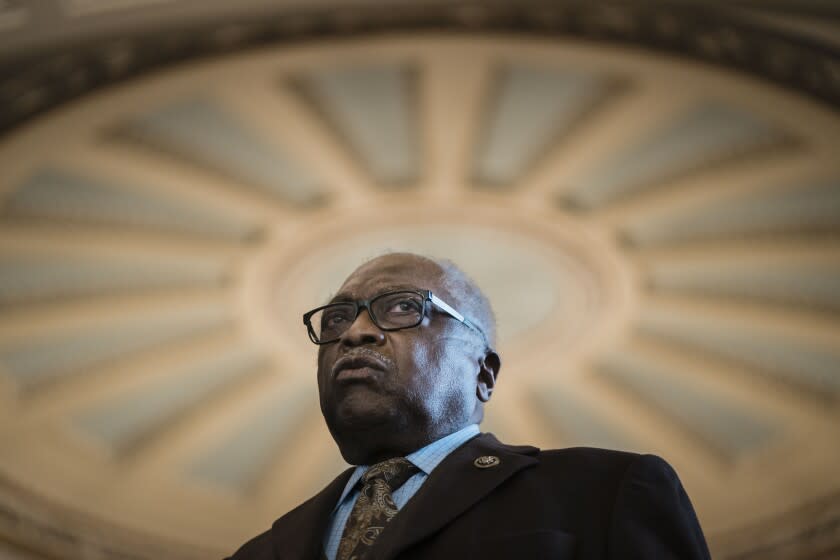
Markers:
{"x": 392, "y": 271}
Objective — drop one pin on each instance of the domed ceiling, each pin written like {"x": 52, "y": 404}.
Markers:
{"x": 659, "y": 238}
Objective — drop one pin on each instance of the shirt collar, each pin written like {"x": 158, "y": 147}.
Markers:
{"x": 426, "y": 458}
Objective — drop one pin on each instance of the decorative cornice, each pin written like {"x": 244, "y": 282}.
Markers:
{"x": 39, "y": 525}
{"x": 809, "y": 532}
{"x": 32, "y": 85}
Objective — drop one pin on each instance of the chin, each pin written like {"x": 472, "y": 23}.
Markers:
{"x": 353, "y": 415}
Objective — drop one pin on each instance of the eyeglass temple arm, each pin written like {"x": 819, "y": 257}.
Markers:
{"x": 446, "y": 307}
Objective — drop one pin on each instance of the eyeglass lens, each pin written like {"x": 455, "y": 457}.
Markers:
{"x": 392, "y": 310}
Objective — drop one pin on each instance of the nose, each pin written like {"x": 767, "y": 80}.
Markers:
{"x": 363, "y": 331}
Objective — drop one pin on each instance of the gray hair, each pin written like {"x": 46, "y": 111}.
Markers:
{"x": 476, "y": 306}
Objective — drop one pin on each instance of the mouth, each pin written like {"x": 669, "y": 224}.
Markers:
{"x": 357, "y": 368}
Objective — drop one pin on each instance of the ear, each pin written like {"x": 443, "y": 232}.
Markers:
{"x": 488, "y": 373}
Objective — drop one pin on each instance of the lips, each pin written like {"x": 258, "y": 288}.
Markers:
{"x": 358, "y": 366}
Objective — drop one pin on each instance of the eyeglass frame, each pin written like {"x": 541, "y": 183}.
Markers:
{"x": 427, "y": 296}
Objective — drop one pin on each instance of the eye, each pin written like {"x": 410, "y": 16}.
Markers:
{"x": 334, "y": 318}
{"x": 405, "y": 305}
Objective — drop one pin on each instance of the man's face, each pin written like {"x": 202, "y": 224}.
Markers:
{"x": 418, "y": 382}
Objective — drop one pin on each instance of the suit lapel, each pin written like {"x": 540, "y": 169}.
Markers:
{"x": 452, "y": 488}
{"x": 299, "y": 535}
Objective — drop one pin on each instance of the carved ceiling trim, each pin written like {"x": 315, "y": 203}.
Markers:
{"x": 35, "y": 84}
{"x": 42, "y": 526}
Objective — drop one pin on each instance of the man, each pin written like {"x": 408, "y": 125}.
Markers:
{"x": 405, "y": 366}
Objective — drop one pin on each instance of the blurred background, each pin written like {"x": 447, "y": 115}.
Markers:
{"x": 648, "y": 192}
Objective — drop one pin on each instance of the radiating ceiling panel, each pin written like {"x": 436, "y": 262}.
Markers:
{"x": 804, "y": 208}
{"x": 813, "y": 284}
{"x": 706, "y": 136}
{"x": 244, "y": 453}
{"x": 28, "y": 278}
{"x": 798, "y": 361}
{"x": 203, "y": 133}
{"x": 373, "y": 108}
{"x": 60, "y": 194}
{"x": 726, "y": 424}
{"x": 43, "y": 358}
{"x": 579, "y": 422}
{"x": 125, "y": 420}
{"x": 533, "y": 106}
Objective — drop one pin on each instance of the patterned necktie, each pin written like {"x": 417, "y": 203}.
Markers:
{"x": 374, "y": 507}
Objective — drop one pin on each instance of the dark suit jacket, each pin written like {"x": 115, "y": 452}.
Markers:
{"x": 579, "y": 503}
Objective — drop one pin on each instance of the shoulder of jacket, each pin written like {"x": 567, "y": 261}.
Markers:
{"x": 258, "y": 548}
{"x": 592, "y": 453}
{"x": 590, "y": 458}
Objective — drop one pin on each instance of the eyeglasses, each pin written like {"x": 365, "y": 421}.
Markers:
{"x": 390, "y": 311}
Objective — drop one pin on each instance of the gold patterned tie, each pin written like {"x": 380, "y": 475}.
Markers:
{"x": 374, "y": 507}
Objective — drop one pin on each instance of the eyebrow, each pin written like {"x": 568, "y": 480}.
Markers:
{"x": 346, "y": 297}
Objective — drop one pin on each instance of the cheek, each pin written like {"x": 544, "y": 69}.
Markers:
{"x": 441, "y": 380}
{"x": 414, "y": 379}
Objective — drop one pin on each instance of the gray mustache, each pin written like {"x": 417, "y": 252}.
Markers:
{"x": 361, "y": 353}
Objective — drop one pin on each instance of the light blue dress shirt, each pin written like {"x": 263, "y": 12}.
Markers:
{"x": 425, "y": 459}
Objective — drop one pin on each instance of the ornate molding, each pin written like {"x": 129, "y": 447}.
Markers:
{"x": 809, "y": 532}
{"x": 33, "y": 85}
{"x": 41, "y": 526}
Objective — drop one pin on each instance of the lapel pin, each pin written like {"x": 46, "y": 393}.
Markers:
{"x": 486, "y": 461}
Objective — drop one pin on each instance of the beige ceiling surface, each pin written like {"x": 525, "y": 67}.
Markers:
{"x": 659, "y": 238}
